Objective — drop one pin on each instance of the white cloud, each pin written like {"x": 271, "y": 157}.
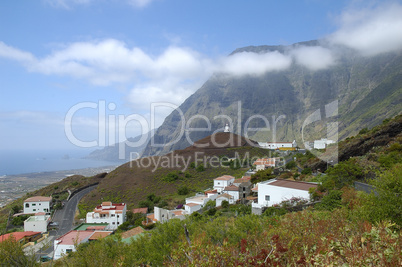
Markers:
{"x": 313, "y": 57}
{"x": 248, "y": 63}
{"x": 15, "y": 54}
{"x": 371, "y": 31}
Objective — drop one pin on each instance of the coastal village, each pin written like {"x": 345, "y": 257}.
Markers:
{"x": 106, "y": 218}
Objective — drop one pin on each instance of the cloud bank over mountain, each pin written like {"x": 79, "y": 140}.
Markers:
{"x": 178, "y": 71}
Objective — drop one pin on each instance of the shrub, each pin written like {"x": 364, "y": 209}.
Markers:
{"x": 19, "y": 220}
{"x": 331, "y": 201}
{"x": 225, "y": 204}
{"x": 262, "y": 175}
{"x": 306, "y": 171}
{"x": 364, "y": 131}
{"x": 183, "y": 190}
{"x": 274, "y": 211}
{"x": 171, "y": 177}
{"x": 290, "y": 165}
{"x": 200, "y": 168}
{"x": 16, "y": 208}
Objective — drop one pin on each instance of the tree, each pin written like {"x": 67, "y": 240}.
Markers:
{"x": 342, "y": 174}
{"x": 16, "y": 209}
{"x": 12, "y": 254}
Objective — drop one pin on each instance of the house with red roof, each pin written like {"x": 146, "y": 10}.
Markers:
{"x": 223, "y": 181}
{"x": 114, "y": 214}
{"x": 264, "y": 163}
{"x": 232, "y": 190}
{"x": 68, "y": 242}
{"x": 140, "y": 210}
{"x": 22, "y": 237}
{"x": 275, "y": 191}
{"x": 37, "y": 204}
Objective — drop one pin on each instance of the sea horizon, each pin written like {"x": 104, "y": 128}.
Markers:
{"x": 19, "y": 162}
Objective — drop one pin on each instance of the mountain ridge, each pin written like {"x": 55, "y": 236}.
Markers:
{"x": 367, "y": 90}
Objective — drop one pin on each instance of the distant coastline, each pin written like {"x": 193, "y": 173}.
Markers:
{"x": 15, "y": 186}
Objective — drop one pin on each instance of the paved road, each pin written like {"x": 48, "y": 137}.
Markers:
{"x": 65, "y": 218}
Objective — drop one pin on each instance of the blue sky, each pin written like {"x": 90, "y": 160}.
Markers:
{"x": 57, "y": 55}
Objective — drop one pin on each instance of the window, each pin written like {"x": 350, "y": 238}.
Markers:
{"x": 118, "y": 216}
{"x": 118, "y": 223}
{"x": 113, "y": 223}
{"x": 69, "y": 250}
{"x": 27, "y": 205}
{"x": 112, "y": 215}
{"x": 34, "y": 209}
{"x": 33, "y": 204}
{"x": 267, "y": 197}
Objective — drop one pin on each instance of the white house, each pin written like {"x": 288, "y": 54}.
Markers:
{"x": 164, "y": 215}
{"x": 223, "y": 197}
{"x": 275, "y": 191}
{"x": 223, "y": 181}
{"x": 262, "y": 164}
{"x": 192, "y": 207}
{"x": 198, "y": 199}
{"x": 112, "y": 213}
{"x": 37, "y": 204}
{"x": 67, "y": 242}
{"x": 322, "y": 144}
{"x": 37, "y": 223}
{"x": 233, "y": 191}
{"x": 278, "y": 145}
{"x": 211, "y": 194}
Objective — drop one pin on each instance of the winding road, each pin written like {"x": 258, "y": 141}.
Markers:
{"x": 65, "y": 218}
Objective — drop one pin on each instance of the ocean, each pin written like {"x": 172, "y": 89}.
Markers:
{"x": 19, "y": 162}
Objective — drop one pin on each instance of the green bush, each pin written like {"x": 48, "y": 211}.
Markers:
{"x": 262, "y": 175}
{"x": 19, "y": 220}
{"x": 331, "y": 201}
{"x": 183, "y": 190}
{"x": 171, "y": 177}
{"x": 306, "y": 171}
{"x": 364, "y": 131}
{"x": 275, "y": 211}
{"x": 386, "y": 202}
{"x": 290, "y": 165}
{"x": 200, "y": 168}
{"x": 225, "y": 204}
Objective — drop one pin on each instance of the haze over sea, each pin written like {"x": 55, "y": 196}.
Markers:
{"x": 19, "y": 162}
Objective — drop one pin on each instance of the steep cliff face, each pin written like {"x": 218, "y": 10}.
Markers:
{"x": 354, "y": 93}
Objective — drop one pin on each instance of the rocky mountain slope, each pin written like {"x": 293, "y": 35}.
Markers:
{"x": 354, "y": 93}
